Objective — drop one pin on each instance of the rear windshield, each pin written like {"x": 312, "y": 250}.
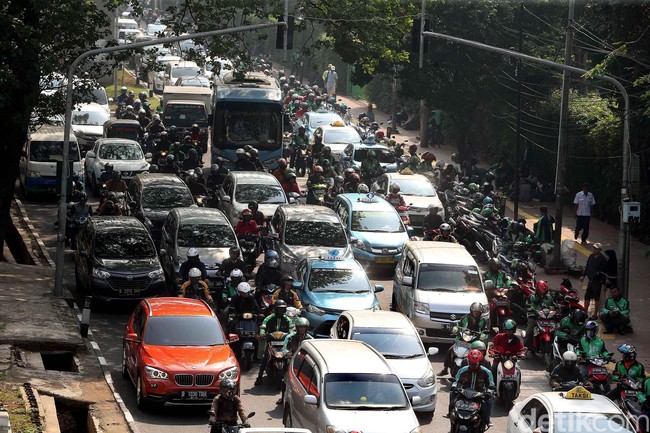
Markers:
{"x": 120, "y": 152}
{"x": 183, "y": 331}
{"x": 364, "y": 391}
{"x": 206, "y": 236}
{"x": 93, "y": 118}
{"x": 384, "y": 156}
{"x": 166, "y": 197}
{"x": 185, "y": 115}
{"x": 51, "y": 151}
{"x": 124, "y": 245}
{"x": 449, "y": 278}
{"x": 315, "y": 234}
{"x": 266, "y": 194}
{"x": 185, "y": 71}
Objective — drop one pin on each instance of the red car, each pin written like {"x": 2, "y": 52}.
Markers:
{"x": 175, "y": 352}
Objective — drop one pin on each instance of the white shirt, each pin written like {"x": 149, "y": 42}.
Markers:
{"x": 330, "y": 79}
{"x": 584, "y": 202}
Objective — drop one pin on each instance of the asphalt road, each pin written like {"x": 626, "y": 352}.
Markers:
{"x": 107, "y": 327}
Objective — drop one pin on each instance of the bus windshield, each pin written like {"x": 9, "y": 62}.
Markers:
{"x": 240, "y": 123}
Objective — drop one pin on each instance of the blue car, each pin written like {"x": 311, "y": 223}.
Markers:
{"x": 376, "y": 230}
{"x": 330, "y": 285}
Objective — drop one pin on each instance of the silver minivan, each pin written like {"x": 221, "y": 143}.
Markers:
{"x": 345, "y": 385}
{"x": 434, "y": 285}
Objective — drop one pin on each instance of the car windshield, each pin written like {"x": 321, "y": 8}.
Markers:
{"x": 364, "y": 391}
{"x": 393, "y": 343}
{"x": 342, "y": 135}
{"x": 121, "y": 245}
{"x": 384, "y": 156}
{"x": 416, "y": 186}
{"x": 315, "y": 234}
{"x": 338, "y": 280}
{"x": 449, "y": 278}
{"x": 97, "y": 95}
{"x": 316, "y": 120}
{"x": 376, "y": 221}
{"x": 240, "y": 123}
{"x": 94, "y": 118}
{"x": 183, "y": 331}
{"x": 580, "y": 422}
{"x": 268, "y": 194}
{"x": 184, "y": 115}
{"x": 51, "y": 151}
{"x": 195, "y": 82}
{"x": 152, "y": 29}
{"x": 120, "y": 152}
{"x": 166, "y": 197}
{"x": 206, "y": 236}
{"x": 185, "y": 71}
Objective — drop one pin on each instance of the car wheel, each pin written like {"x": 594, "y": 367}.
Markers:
{"x": 393, "y": 303}
{"x": 125, "y": 371}
{"x": 143, "y": 403}
{"x": 288, "y": 420}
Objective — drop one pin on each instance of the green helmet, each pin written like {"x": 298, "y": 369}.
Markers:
{"x": 478, "y": 345}
{"x": 476, "y": 210}
{"x": 487, "y": 212}
{"x": 472, "y": 187}
{"x": 301, "y": 322}
{"x": 509, "y": 325}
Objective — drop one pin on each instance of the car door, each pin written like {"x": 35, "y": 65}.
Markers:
{"x": 167, "y": 237}
{"x": 406, "y": 296}
{"x": 84, "y": 244}
{"x": 132, "y": 346}
{"x": 306, "y": 415}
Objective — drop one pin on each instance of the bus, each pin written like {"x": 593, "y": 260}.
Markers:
{"x": 247, "y": 111}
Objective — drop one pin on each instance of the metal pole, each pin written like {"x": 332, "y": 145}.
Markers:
{"x": 623, "y": 267}
{"x": 60, "y": 240}
{"x": 286, "y": 33}
{"x": 560, "y": 164}
{"x": 518, "y": 133}
{"x": 424, "y": 110}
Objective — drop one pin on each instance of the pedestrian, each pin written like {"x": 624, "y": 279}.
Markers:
{"x": 330, "y": 81}
{"x": 593, "y": 271}
{"x": 584, "y": 200}
{"x": 543, "y": 228}
{"x": 324, "y": 76}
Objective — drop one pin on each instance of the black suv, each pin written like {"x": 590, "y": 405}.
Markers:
{"x": 155, "y": 195}
{"x": 116, "y": 259}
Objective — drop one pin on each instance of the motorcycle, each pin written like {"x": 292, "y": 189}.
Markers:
{"x": 597, "y": 373}
{"x": 225, "y": 428}
{"x": 628, "y": 402}
{"x": 543, "y": 335}
{"x": 316, "y": 194}
{"x": 246, "y": 329}
{"x": 461, "y": 346}
{"x": 500, "y": 307}
{"x": 465, "y": 415}
{"x": 264, "y": 298}
{"x": 249, "y": 244}
{"x": 558, "y": 350}
{"x": 508, "y": 379}
{"x": 73, "y": 225}
{"x": 403, "y": 212}
{"x": 278, "y": 363}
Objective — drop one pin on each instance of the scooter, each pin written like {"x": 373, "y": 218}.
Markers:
{"x": 278, "y": 362}
{"x": 225, "y": 428}
{"x": 461, "y": 346}
{"x": 628, "y": 402}
{"x": 465, "y": 415}
{"x": 500, "y": 307}
{"x": 316, "y": 194}
{"x": 246, "y": 329}
{"x": 249, "y": 244}
{"x": 597, "y": 373}
{"x": 558, "y": 351}
{"x": 543, "y": 335}
{"x": 508, "y": 379}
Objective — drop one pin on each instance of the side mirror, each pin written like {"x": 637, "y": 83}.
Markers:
{"x": 83, "y": 253}
{"x": 297, "y": 285}
{"x": 380, "y": 191}
{"x": 311, "y": 399}
{"x": 232, "y": 338}
{"x": 488, "y": 284}
{"x": 433, "y": 351}
{"x": 407, "y": 280}
{"x": 132, "y": 337}
{"x": 225, "y": 199}
{"x": 415, "y": 400}
{"x": 90, "y": 154}
{"x": 163, "y": 252}
{"x": 292, "y": 200}
{"x": 354, "y": 239}
{"x": 148, "y": 155}
{"x": 110, "y": 100}
{"x": 379, "y": 288}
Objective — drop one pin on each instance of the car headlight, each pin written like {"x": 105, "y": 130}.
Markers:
{"x": 428, "y": 379}
{"x": 32, "y": 173}
{"x": 230, "y": 373}
{"x": 154, "y": 275}
{"x": 154, "y": 373}
{"x": 361, "y": 245}
{"x": 334, "y": 429}
{"x": 421, "y": 307}
{"x": 417, "y": 429}
{"x": 315, "y": 310}
{"x": 98, "y": 273}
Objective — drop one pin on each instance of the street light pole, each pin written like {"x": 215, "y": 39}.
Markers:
{"x": 285, "y": 41}
{"x": 625, "y": 183}
{"x": 60, "y": 240}
{"x": 424, "y": 111}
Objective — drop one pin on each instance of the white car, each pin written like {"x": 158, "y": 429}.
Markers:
{"x": 575, "y": 411}
{"x": 125, "y": 156}
{"x": 173, "y": 71}
{"x": 157, "y": 78}
{"x": 338, "y": 136}
{"x": 88, "y": 124}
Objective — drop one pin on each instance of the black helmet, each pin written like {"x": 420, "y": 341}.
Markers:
{"x": 253, "y": 205}
{"x": 578, "y": 317}
{"x": 83, "y": 196}
{"x": 280, "y": 307}
{"x": 235, "y": 250}
{"x": 227, "y": 388}
{"x": 476, "y": 306}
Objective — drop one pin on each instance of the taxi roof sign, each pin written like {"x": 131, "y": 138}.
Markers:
{"x": 578, "y": 393}
{"x": 332, "y": 255}
{"x": 368, "y": 198}
{"x": 337, "y": 123}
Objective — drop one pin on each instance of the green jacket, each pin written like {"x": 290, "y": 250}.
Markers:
{"x": 500, "y": 279}
{"x": 292, "y": 342}
{"x": 568, "y": 329}
{"x": 272, "y": 323}
{"x": 645, "y": 392}
{"x": 593, "y": 348}
{"x": 534, "y": 303}
{"x": 464, "y": 323}
{"x": 622, "y": 306}
{"x": 636, "y": 371}
{"x": 371, "y": 166}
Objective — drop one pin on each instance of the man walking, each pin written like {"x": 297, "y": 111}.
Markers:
{"x": 593, "y": 271}
{"x": 330, "y": 81}
{"x": 584, "y": 200}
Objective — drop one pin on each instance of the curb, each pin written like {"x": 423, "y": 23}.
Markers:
{"x": 34, "y": 234}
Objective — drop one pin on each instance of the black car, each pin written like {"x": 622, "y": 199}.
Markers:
{"x": 155, "y": 195}
{"x": 116, "y": 259}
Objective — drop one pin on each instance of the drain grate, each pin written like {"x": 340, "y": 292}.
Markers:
{"x": 33, "y": 404}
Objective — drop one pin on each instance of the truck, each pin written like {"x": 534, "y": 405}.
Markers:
{"x": 184, "y": 106}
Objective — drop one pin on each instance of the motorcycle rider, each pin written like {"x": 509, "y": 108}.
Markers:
{"x": 116, "y": 184}
{"x": 494, "y": 273}
{"x": 177, "y": 153}
{"x": 173, "y": 134}
{"x": 226, "y": 406}
{"x": 156, "y": 126}
{"x": 143, "y": 119}
{"x": 229, "y": 289}
{"x": 445, "y": 234}
{"x": 123, "y": 96}
{"x": 170, "y": 165}
{"x": 233, "y": 262}
{"x": 195, "y": 288}
{"x": 242, "y": 302}
{"x": 567, "y": 371}
{"x": 335, "y": 189}
{"x": 196, "y": 188}
{"x": 506, "y": 343}
{"x": 352, "y": 185}
{"x": 472, "y": 321}
{"x": 478, "y": 378}
{"x": 246, "y": 224}
{"x": 537, "y": 301}
{"x": 571, "y": 329}
{"x": 626, "y": 368}
{"x": 291, "y": 344}
{"x": 192, "y": 160}
{"x": 432, "y": 221}
{"x": 326, "y": 155}
{"x": 107, "y": 174}
{"x": 615, "y": 315}
{"x": 108, "y": 208}
{"x": 370, "y": 167}
{"x": 395, "y": 198}
{"x": 287, "y": 294}
{"x": 193, "y": 261}
{"x": 255, "y": 159}
{"x": 426, "y": 166}
{"x": 243, "y": 162}
{"x": 479, "y": 345}
{"x": 278, "y": 321}
{"x": 280, "y": 172}
{"x": 316, "y": 178}
{"x": 79, "y": 211}
{"x": 591, "y": 345}
{"x": 298, "y": 140}
{"x": 269, "y": 273}
{"x": 195, "y": 133}
{"x": 163, "y": 144}
{"x": 129, "y": 115}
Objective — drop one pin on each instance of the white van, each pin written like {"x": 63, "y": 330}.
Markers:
{"x": 434, "y": 285}
{"x": 127, "y": 23}
{"x": 38, "y": 164}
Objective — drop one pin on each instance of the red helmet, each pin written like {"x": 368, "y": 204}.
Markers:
{"x": 246, "y": 212}
{"x": 541, "y": 287}
{"x": 282, "y": 161}
{"x": 379, "y": 135}
{"x": 429, "y": 157}
{"x": 474, "y": 357}
{"x": 355, "y": 177}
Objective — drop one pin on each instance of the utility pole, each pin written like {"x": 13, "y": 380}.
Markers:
{"x": 560, "y": 169}
{"x": 286, "y": 33}
{"x": 424, "y": 110}
{"x": 518, "y": 137}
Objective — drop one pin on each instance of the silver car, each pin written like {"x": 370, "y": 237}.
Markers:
{"x": 395, "y": 337}
{"x": 343, "y": 385}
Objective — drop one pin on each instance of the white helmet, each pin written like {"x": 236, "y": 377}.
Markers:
{"x": 156, "y": 117}
{"x": 236, "y": 273}
{"x": 570, "y": 356}
{"x": 444, "y": 227}
{"x": 362, "y": 188}
{"x": 240, "y": 151}
{"x": 244, "y": 288}
{"x": 192, "y": 252}
{"x": 194, "y": 273}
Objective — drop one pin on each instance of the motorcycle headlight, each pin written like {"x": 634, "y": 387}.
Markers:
{"x": 154, "y": 373}
{"x": 334, "y": 429}
{"x": 279, "y": 355}
{"x": 421, "y": 307}
{"x": 157, "y": 274}
{"x": 230, "y": 373}
{"x": 508, "y": 365}
{"x": 428, "y": 379}
{"x": 467, "y": 338}
{"x": 315, "y": 310}
{"x": 98, "y": 273}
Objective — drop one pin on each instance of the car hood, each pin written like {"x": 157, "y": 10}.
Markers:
{"x": 207, "y": 255}
{"x": 410, "y": 368}
{"x": 89, "y": 129}
{"x": 126, "y": 165}
{"x": 379, "y": 240}
{"x": 420, "y": 202}
{"x": 301, "y": 252}
{"x": 374, "y": 421}
{"x": 156, "y": 214}
{"x": 447, "y": 302}
{"x": 196, "y": 359}
{"x": 127, "y": 266}
{"x": 341, "y": 301}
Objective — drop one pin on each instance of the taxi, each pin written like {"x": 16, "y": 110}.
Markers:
{"x": 574, "y": 411}
{"x": 376, "y": 231}
{"x": 329, "y": 285}
{"x": 338, "y": 136}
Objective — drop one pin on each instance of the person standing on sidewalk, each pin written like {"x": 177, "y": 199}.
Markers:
{"x": 544, "y": 227}
{"x": 593, "y": 271}
{"x": 330, "y": 81}
{"x": 584, "y": 200}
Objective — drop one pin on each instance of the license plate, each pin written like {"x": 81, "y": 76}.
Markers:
{"x": 599, "y": 371}
{"x": 194, "y": 395}
{"x": 384, "y": 260}
{"x": 503, "y": 303}
{"x": 129, "y": 292}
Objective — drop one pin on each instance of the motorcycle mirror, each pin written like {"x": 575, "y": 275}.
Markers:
{"x": 407, "y": 280}
{"x": 433, "y": 351}
{"x": 488, "y": 284}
